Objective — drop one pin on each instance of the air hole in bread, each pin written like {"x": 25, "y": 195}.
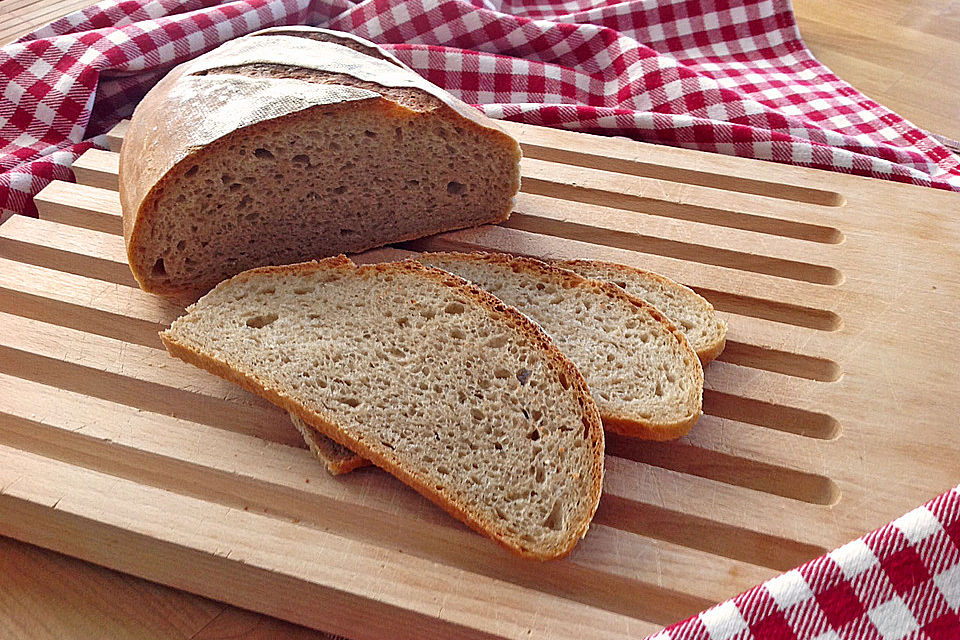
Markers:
{"x": 370, "y": 134}
{"x": 301, "y": 158}
{"x": 350, "y": 402}
{"x": 263, "y": 154}
{"x": 158, "y": 269}
{"x": 563, "y": 380}
{"x": 303, "y": 290}
{"x": 501, "y": 373}
{"x": 455, "y": 188}
{"x": 496, "y": 342}
{"x": 539, "y": 475}
{"x": 457, "y": 334}
{"x": 340, "y": 190}
{"x": 555, "y": 519}
{"x": 259, "y": 322}
{"x": 476, "y": 413}
{"x": 192, "y": 171}
{"x": 534, "y": 435}
{"x": 454, "y": 307}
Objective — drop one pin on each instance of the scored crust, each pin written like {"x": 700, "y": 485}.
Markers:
{"x": 167, "y": 135}
{"x": 325, "y": 424}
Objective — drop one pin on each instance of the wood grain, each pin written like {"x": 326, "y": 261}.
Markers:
{"x": 782, "y": 467}
{"x": 901, "y": 53}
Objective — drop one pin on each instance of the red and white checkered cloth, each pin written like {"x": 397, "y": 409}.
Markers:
{"x": 729, "y": 76}
{"x": 900, "y": 582}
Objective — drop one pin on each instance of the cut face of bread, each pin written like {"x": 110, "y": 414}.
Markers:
{"x": 293, "y": 145}
{"x": 432, "y": 379}
{"x": 643, "y": 374}
{"x": 693, "y": 315}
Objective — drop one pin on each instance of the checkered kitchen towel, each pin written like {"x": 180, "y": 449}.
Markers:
{"x": 901, "y": 582}
{"x": 729, "y": 76}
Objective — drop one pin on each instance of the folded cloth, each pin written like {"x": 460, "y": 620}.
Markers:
{"x": 900, "y": 582}
{"x": 729, "y": 77}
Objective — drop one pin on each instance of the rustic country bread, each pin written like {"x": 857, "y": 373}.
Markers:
{"x": 642, "y": 372}
{"x": 432, "y": 379}
{"x": 299, "y": 143}
{"x": 693, "y": 315}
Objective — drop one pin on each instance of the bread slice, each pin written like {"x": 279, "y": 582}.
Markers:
{"x": 642, "y": 372}
{"x": 298, "y": 143}
{"x": 693, "y": 315}
{"x": 337, "y": 458}
{"x": 432, "y": 379}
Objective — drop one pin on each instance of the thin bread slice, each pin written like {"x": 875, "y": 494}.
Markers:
{"x": 337, "y": 458}
{"x": 645, "y": 378}
{"x": 693, "y": 315}
{"x": 430, "y": 378}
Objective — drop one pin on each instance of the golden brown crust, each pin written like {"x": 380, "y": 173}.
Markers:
{"x": 624, "y": 425}
{"x": 383, "y": 458}
{"x": 162, "y": 140}
{"x": 707, "y": 354}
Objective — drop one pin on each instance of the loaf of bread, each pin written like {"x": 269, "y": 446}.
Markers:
{"x": 642, "y": 372}
{"x": 297, "y": 143}
{"x": 432, "y": 379}
{"x": 693, "y": 315}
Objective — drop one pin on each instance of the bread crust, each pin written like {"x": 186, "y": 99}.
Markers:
{"x": 382, "y": 457}
{"x": 164, "y": 139}
{"x": 621, "y": 424}
{"x": 706, "y": 354}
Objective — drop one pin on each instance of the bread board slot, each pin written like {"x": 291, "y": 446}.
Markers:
{"x": 666, "y": 200}
{"x": 676, "y": 527}
{"x": 785, "y": 362}
{"x": 780, "y": 417}
{"x": 776, "y": 311}
{"x": 599, "y": 152}
{"x": 728, "y": 469}
{"x": 595, "y": 234}
{"x": 71, "y": 249}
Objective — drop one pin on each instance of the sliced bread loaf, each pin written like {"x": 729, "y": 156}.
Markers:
{"x": 642, "y": 372}
{"x": 299, "y": 143}
{"x": 693, "y": 315}
{"x": 432, "y": 379}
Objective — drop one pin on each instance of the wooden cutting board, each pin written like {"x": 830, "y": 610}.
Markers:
{"x": 832, "y": 410}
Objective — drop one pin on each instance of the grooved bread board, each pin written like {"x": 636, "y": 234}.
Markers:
{"x": 833, "y": 409}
